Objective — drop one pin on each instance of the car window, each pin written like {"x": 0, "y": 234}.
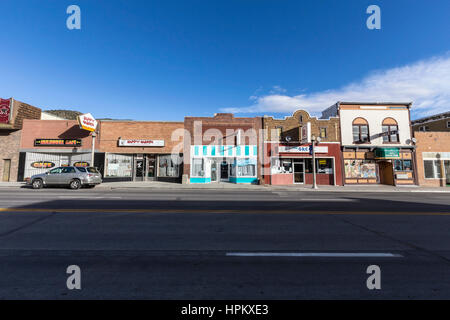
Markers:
{"x": 92, "y": 170}
{"x": 68, "y": 170}
{"x": 56, "y": 170}
{"x": 81, "y": 169}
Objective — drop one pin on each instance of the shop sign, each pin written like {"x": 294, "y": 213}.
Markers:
{"x": 42, "y": 164}
{"x": 387, "y": 153}
{"x": 83, "y": 164}
{"x": 87, "y": 122}
{"x": 303, "y": 149}
{"x": 57, "y": 142}
{"x": 141, "y": 143}
{"x": 245, "y": 162}
{"x": 402, "y": 176}
{"x": 5, "y": 110}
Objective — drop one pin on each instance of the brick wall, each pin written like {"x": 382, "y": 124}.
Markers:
{"x": 220, "y": 123}
{"x": 10, "y": 138}
{"x": 430, "y": 142}
{"x": 291, "y": 126}
{"x": 111, "y": 131}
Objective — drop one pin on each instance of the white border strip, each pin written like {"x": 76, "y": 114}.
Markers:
{"x": 314, "y": 254}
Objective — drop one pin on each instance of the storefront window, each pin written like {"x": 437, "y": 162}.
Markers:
{"x": 198, "y": 168}
{"x": 169, "y": 166}
{"x": 360, "y": 169}
{"x": 119, "y": 165}
{"x": 324, "y": 166}
{"x": 432, "y": 169}
{"x": 246, "y": 167}
{"x": 281, "y": 166}
{"x": 402, "y": 165}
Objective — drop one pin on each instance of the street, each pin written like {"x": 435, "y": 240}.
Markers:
{"x": 223, "y": 244}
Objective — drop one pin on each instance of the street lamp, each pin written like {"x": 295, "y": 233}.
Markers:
{"x": 313, "y": 142}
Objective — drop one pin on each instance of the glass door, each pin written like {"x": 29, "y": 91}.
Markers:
{"x": 447, "y": 171}
{"x": 214, "y": 171}
{"x": 224, "y": 171}
{"x": 299, "y": 172}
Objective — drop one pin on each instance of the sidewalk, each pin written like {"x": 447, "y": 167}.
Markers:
{"x": 249, "y": 187}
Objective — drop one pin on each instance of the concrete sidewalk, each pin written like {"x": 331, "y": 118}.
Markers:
{"x": 249, "y": 187}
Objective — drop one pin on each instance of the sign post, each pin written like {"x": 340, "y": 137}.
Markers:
{"x": 87, "y": 122}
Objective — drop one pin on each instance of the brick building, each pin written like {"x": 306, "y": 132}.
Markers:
{"x": 287, "y": 150}
{"x": 222, "y": 148}
{"x": 46, "y": 144}
{"x": 141, "y": 150}
{"x": 437, "y": 122}
{"x": 12, "y": 115}
{"x": 433, "y": 158}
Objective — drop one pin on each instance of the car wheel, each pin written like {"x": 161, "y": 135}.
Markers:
{"x": 75, "y": 184}
{"x": 37, "y": 184}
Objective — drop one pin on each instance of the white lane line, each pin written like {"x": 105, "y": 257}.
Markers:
{"x": 327, "y": 200}
{"x": 87, "y": 197}
{"x": 315, "y": 254}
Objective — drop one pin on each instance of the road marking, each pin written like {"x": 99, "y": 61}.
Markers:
{"x": 231, "y": 211}
{"x": 314, "y": 254}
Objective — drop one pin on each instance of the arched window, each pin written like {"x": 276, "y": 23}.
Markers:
{"x": 390, "y": 130}
{"x": 360, "y": 131}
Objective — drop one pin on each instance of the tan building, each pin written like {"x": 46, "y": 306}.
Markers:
{"x": 12, "y": 115}
{"x": 287, "y": 150}
{"x": 433, "y": 158}
{"x": 438, "y": 122}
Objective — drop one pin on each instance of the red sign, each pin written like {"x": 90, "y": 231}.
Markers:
{"x": 5, "y": 110}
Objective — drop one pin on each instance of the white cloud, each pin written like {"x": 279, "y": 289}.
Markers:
{"x": 425, "y": 83}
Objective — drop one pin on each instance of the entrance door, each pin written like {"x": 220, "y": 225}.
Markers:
{"x": 214, "y": 171}
{"x": 224, "y": 171}
{"x": 447, "y": 171}
{"x": 6, "y": 169}
{"x": 151, "y": 166}
{"x": 140, "y": 169}
{"x": 386, "y": 172}
{"x": 299, "y": 172}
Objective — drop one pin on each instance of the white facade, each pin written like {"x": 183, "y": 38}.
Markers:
{"x": 375, "y": 115}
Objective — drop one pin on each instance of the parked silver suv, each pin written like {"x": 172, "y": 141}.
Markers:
{"x": 74, "y": 177}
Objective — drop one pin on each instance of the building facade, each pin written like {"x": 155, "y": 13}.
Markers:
{"x": 12, "y": 115}
{"x": 433, "y": 158}
{"x": 439, "y": 122}
{"x": 46, "y": 144}
{"x": 287, "y": 150}
{"x": 141, "y": 150}
{"x": 376, "y": 142}
{"x": 222, "y": 148}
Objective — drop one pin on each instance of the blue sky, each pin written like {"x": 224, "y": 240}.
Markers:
{"x": 162, "y": 60}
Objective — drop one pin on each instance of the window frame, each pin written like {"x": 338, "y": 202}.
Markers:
{"x": 387, "y": 134}
{"x": 360, "y": 141}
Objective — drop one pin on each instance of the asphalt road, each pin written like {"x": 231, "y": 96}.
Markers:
{"x": 220, "y": 244}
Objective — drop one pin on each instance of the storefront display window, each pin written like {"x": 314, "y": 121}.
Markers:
{"x": 324, "y": 166}
{"x": 169, "y": 166}
{"x": 360, "y": 169}
{"x": 246, "y": 167}
{"x": 402, "y": 165}
{"x": 119, "y": 165}
{"x": 281, "y": 166}
{"x": 432, "y": 169}
{"x": 198, "y": 169}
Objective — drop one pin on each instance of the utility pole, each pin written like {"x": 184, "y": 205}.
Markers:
{"x": 313, "y": 142}
{"x": 94, "y": 134}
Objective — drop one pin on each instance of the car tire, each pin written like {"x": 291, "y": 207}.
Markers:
{"x": 37, "y": 184}
{"x": 75, "y": 184}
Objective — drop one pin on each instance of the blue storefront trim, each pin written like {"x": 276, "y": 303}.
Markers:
{"x": 243, "y": 180}
{"x": 200, "y": 180}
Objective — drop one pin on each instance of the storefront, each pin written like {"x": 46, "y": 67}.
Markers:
{"x": 290, "y": 164}
{"x": 141, "y": 150}
{"x": 46, "y": 144}
{"x": 381, "y": 165}
{"x": 221, "y": 149}
{"x": 219, "y": 163}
